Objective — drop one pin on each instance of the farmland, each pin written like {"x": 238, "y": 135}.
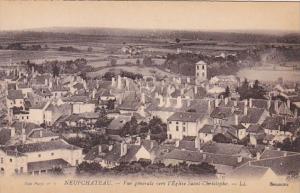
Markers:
{"x": 117, "y": 49}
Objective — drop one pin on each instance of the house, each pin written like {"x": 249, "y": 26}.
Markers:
{"x": 15, "y": 98}
{"x": 226, "y": 149}
{"x": 80, "y": 103}
{"x": 41, "y": 135}
{"x": 116, "y": 125}
{"x": 253, "y": 116}
{"x": 112, "y": 155}
{"x": 182, "y": 124}
{"x": 53, "y": 112}
{"x": 248, "y": 171}
{"x": 282, "y": 163}
{"x": 224, "y": 164}
{"x": 38, "y": 158}
{"x": 37, "y": 113}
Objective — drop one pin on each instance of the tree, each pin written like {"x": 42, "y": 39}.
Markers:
{"x": 177, "y": 40}
{"x": 108, "y": 76}
{"x": 138, "y": 62}
{"x": 130, "y": 128}
{"x": 55, "y": 71}
{"x": 147, "y": 61}
{"x": 103, "y": 120}
{"x": 57, "y": 171}
{"x": 220, "y": 138}
{"x": 113, "y": 62}
{"x": 111, "y": 104}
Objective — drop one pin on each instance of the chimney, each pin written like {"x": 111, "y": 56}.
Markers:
{"x": 258, "y": 156}
{"x": 23, "y": 135}
{"x": 177, "y": 143}
{"x": 46, "y": 81}
{"x": 138, "y": 141}
{"x": 143, "y": 99}
{"x": 161, "y": 101}
{"x": 276, "y": 106}
{"x": 245, "y": 110}
{"x": 99, "y": 149}
{"x": 179, "y": 102}
{"x": 236, "y": 119}
{"x": 226, "y": 100}
{"x": 216, "y": 102}
{"x": 142, "y": 111}
{"x": 151, "y": 144}
{"x": 119, "y": 83}
{"x": 120, "y": 100}
{"x": 284, "y": 154}
{"x": 127, "y": 83}
{"x": 288, "y": 102}
{"x": 113, "y": 81}
{"x": 196, "y": 90}
{"x": 41, "y": 133}
{"x": 245, "y": 102}
{"x": 209, "y": 106}
{"x": 296, "y": 112}
{"x": 239, "y": 159}
{"x": 197, "y": 143}
{"x": 94, "y": 94}
{"x": 168, "y": 103}
{"x": 110, "y": 147}
{"x": 12, "y": 132}
{"x": 204, "y": 156}
{"x": 250, "y": 102}
{"x": 235, "y": 102}
{"x": 188, "y": 79}
{"x": 123, "y": 148}
{"x": 269, "y": 104}
{"x": 182, "y": 91}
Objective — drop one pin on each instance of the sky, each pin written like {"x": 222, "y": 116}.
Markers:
{"x": 191, "y": 15}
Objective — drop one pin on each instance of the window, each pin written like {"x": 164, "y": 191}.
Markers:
{"x": 22, "y": 117}
{"x": 52, "y": 154}
{"x": 202, "y": 73}
{"x": 177, "y": 128}
{"x": 27, "y": 117}
{"x": 170, "y": 122}
{"x": 21, "y": 169}
{"x": 197, "y": 67}
{"x": 2, "y": 160}
{"x": 39, "y": 155}
{"x": 176, "y": 122}
{"x": 183, "y": 129}
{"x": 183, "y": 123}
{"x": 197, "y": 74}
{"x": 203, "y": 67}
{"x": 170, "y": 136}
{"x": 10, "y": 160}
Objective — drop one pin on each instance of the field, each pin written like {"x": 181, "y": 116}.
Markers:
{"x": 269, "y": 75}
{"x": 99, "y": 46}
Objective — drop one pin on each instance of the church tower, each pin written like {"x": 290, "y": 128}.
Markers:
{"x": 201, "y": 72}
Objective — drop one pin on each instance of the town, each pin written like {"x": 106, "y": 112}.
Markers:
{"x": 222, "y": 126}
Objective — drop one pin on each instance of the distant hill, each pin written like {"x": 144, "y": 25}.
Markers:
{"x": 237, "y": 37}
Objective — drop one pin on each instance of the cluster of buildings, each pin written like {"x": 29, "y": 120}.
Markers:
{"x": 236, "y": 136}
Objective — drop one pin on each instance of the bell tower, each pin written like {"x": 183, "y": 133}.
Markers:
{"x": 201, "y": 72}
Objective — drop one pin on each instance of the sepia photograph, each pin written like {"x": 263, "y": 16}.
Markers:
{"x": 135, "y": 96}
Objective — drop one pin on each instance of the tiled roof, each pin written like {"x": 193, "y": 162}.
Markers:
{"x": 249, "y": 171}
{"x": 223, "y": 148}
{"x": 4, "y": 135}
{"x": 196, "y": 156}
{"x": 275, "y": 154}
{"x": 207, "y": 129}
{"x": 15, "y": 94}
{"x": 118, "y": 122}
{"x": 253, "y": 115}
{"x": 186, "y": 117}
{"x": 221, "y": 112}
{"x": 281, "y": 165}
{"x": 42, "y": 146}
{"x": 46, "y": 165}
{"x": 40, "y": 133}
{"x": 254, "y": 128}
